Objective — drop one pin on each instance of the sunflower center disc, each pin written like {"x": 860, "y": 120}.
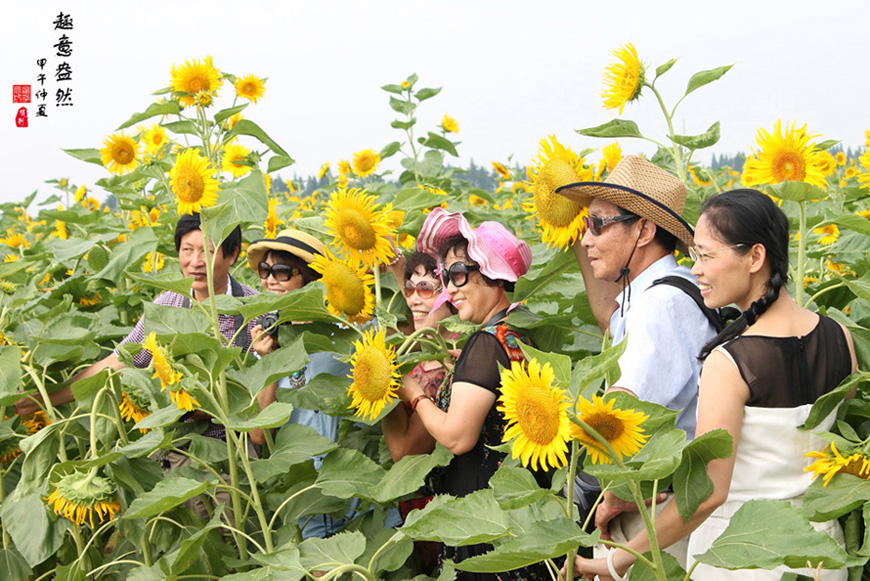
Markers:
{"x": 610, "y": 427}
{"x": 344, "y": 289}
{"x": 537, "y": 415}
{"x": 788, "y": 165}
{"x": 356, "y": 231}
{"x": 123, "y": 154}
{"x": 371, "y": 374}
{"x": 190, "y": 186}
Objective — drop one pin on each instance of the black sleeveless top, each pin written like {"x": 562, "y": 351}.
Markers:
{"x": 786, "y": 372}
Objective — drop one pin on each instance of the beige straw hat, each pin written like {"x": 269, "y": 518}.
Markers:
{"x": 297, "y": 243}
{"x": 641, "y": 188}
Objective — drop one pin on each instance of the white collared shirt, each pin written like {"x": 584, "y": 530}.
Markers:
{"x": 666, "y": 331}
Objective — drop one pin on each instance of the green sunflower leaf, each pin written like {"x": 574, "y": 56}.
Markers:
{"x": 167, "y": 494}
{"x": 248, "y": 127}
{"x": 446, "y": 519}
{"x": 277, "y": 162}
{"x": 165, "y": 108}
{"x": 229, "y": 112}
{"x": 424, "y": 94}
{"x": 89, "y": 155}
{"x": 294, "y": 444}
{"x": 706, "y": 139}
{"x": 390, "y": 149}
{"x": 613, "y": 128}
{"x": 436, "y": 141}
{"x": 691, "y": 483}
{"x": 827, "y": 144}
{"x": 662, "y": 69}
{"x": 702, "y": 78}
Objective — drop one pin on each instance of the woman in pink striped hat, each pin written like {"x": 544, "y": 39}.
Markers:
{"x": 478, "y": 267}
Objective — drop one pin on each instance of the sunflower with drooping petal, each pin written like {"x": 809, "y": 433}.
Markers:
{"x": 827, "y": 163}
{"x": 35, "y": 421}
{"x": 828, "y": 234}
{"x": 80, "y": 194}
{"x": 119, "y": 154}
{"x": 623, "y": 80}
{"x": 154, "y": 138}
{"x": 374, "y": 373}
{"x": 251, "y": 87}
{"x": 449, "y": 124}
{"x": 560, "y": 218}
{"x": 621, "y": 428}
{"x": 344, "y": 167}
{"x": 611, "y": 154}
{"x": 536, "y": 415}
{"x": 784, "y": 156}
{"x": 348, "y": 287}
{"x": 160, "y": 358}
{"x": 272, "y": 223}
{"x": 194, "y": 77}
{"x": 360, "y": 227}
{"x": 193, "y": 182}
{"x": 235, "y": 156}
{"x": 830, "y": 462}
{"x": 863, "y": 213}
{"x": 323, "y": 169}
{"x": 78, "y": 496}
{"x": 60, "y": 230}
{"x": 502, "y": 172}
{"x": 16, "y": 241}
{"x": 365, "y": 162}
{"x": 9, "y": 450}
{"x": 134, "y": 407}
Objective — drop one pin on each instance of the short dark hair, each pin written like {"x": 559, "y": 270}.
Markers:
{"x": 190, "y": 222}
{"x": 284, "y": 257}
{"x": 662, "y": 237}
{"x": 418, "y": 259}
{"x": 458, "y": 242}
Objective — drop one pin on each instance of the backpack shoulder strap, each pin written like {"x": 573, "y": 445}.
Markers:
{"x": 694, "y": 293}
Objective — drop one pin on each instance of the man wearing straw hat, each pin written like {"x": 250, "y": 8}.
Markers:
{"x": 634, "y": 226}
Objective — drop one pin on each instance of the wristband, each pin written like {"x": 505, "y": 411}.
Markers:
{"x": 417, "y": 400}
{"x": 611, "y": 569}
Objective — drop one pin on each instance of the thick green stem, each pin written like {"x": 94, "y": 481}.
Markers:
{"x": 339, "y": 571}
{"x": 802, "y": 255}
{"x": 675, "y": 149}
{"x": 650, "y": 529}
{"x": 287, "y": 501}
{"x": 255, "y": 493}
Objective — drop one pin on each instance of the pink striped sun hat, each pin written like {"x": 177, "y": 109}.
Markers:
{"x": 499, "y": 253}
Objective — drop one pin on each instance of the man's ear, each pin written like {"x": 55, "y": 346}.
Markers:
{"x": 647, "y": 232}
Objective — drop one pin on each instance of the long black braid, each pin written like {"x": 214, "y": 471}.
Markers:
{"x": 748, "y": 217}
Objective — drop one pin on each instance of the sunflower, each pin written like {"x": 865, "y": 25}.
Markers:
{"x": 119, "y": 154}
{"x": 133, "y": 407}
{"x": 35, "y": 421}
{"x": 80, "y": 194}
{"x": 841, "y": 158}
{"x": 7, "y": 288}
{"x": 348, "y": 287}
{"x": 193, "y": 182}
{"x": 11, "y": 258}
{"x": 827, "y": 163}
{"x": 360, "y": 228}
{"x": 476, "y": 200}
{"x": 60, "y": 230}
{"x": 230, "y": 123}
{"x": 153, "y": 262}
{"x": 621, "y": 429}
{"x": 536, "y": 415}
{"x": 251, "y": 88}
{"x": 323, "y": 169}
{"x": 9, "y": 450}
{"x": 374, "y": 373}
{"x": 16, "y": 241}
{"x": 160, "y": 357}
{"x": 829, "y": 234}
{"x": 91, "y": 204}
{"x": 78, "y": 496}
{"x": 611, "y": 154}
{"x": 863, "y": 213}
{"x": 784, "y": 156}
{"x": 449, "y": 124}
{"x": 90, "y": 299}
{"x": 235, "y": 158}
{"x": 560, "y": 218}
{"x": 624, "y": 80}
{"x": 194, "y": 77}
{"x": 183, "y": 400}
{"x": 863, "y": 177}
{"x": 272, "y": 223}
{"x": 830, "y": 462}
{"x": 365, "y": 162}
{"x": 432, "y": 189}
{"x": 154, "y": 139}
{"x": 502, "y": 171}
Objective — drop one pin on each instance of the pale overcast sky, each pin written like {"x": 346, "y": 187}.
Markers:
{"x": 512, "y": 72}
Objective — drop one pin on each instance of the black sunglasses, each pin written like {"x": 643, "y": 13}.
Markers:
{"x": 457, "y": 273}
{"x": 596, "y": 223}
{"x": 280, "y": 272}
{"x": 424, "y": 289}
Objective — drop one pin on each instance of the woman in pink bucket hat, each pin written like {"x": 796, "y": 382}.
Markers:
{"x": 478, "y": 267}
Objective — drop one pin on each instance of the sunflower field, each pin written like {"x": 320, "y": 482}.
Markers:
{"x": 84, "y": 495}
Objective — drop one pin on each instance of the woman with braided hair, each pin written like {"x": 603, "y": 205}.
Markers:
{"x": 760, "y": 378}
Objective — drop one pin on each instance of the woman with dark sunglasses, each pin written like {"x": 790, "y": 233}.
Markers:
{"x": 478, "y": 266}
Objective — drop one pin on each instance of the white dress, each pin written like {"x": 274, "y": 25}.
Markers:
{"x": 769, "y": 465}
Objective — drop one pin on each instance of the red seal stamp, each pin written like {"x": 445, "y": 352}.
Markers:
{"x": 21, "y": 118}
{"x": 21, "y": 93}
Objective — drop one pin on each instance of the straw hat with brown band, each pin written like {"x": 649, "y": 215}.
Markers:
{"x": 297, "y": 243}
{"x": 641, "y": 188}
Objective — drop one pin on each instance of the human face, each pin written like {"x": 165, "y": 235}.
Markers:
{"x": 272, "y": 284}
{"x": 610, "y": 250}
{"x": 475, "y": 301}
{"x": 421, "y": 308}
{"x": 191, "y": 256}
{"x": 724, "y": 274}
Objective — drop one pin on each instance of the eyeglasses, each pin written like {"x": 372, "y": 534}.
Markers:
{"x": 458, "y": 273}
{"x": 596, "y": 223}
{"x": 280, "y": 272}
{"x": 698, "y": 256}
{"x": 424, "y": 289}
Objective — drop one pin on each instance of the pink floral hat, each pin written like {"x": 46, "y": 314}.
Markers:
{"x": 499, "y": 253}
